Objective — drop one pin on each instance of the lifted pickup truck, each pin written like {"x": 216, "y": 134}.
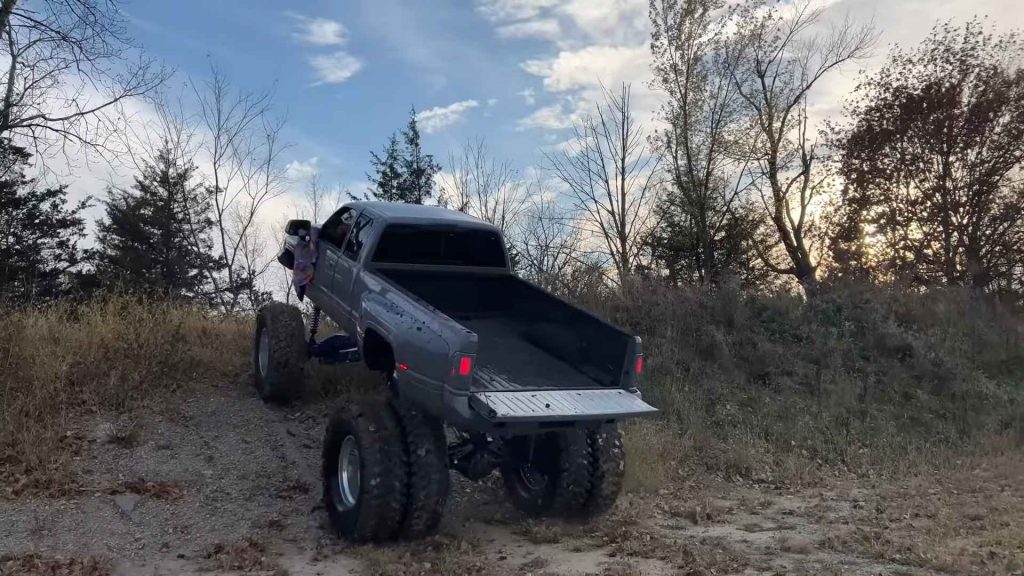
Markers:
{"x": 527, "y": 384}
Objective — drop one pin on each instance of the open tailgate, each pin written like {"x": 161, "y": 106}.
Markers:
{"x": 559, "y": 405}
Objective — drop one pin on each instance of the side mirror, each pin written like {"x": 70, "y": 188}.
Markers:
{"x": 299, "y": 228}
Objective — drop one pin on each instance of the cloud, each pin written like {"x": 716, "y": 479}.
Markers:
{"x": 558, "y": 116}
{"x": 441, "y": 117}
{"x": 319, "y": 31}
{"x": 529, "y": 95}
{"x": 545, "y": 28}
{"x": 334, "y": 68}
{"x": 504, "y": 10}
{"x": 298, "y": 170}
{"x": 591, "y": 66}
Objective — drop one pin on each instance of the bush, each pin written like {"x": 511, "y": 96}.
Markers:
{"x": 856, "y": 377}
{"x": 116, "y": 354}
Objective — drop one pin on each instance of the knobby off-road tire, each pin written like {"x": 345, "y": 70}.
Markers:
{"x": 607, "y": 470}
{"x": 553, "y": 477}
{"x": 364, "y": 503}
{"x": 279, "y": 352}
{"x": 426, "y": 456}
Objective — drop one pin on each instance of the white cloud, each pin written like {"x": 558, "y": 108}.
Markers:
{"x": 592, "y": 66}
{"x": 491, "y": 102}
{"x": 319, "y": 31}
{"x": 441, "y": 117}
{"x": 545, "y": 28}
{"x": 298, "y": 170}
{"x": 504, "y": 10}
{"x": 529, "y": 95}
{"x": 334, "y": 68}
{"x": 558, "y": 116}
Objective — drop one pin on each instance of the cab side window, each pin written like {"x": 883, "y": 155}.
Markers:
{"x": 337, "y": 226}
{"x": 357, "y": 239}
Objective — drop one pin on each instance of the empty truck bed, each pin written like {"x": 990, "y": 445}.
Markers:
{"x": 527, "y": 339}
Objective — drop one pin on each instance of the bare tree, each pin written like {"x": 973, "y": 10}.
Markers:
{"x": 777, "y": 55}
{"x": 549, "y": 241}
{"x": 707, "y": 143}
{"x": 71, "y": 67}
{"x": 243, "y": 147}
{"x": 483, "y": 187}
{"x": 611, "y": 180}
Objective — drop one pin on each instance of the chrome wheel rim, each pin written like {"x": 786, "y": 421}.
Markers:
{"x": 348, "y": 473}
{"x": 263, "y": 352}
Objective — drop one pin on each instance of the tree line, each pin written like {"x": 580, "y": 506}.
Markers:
{"x": 916, "y": 183}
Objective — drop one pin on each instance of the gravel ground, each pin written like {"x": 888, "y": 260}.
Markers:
{"x": 222, "y": 483}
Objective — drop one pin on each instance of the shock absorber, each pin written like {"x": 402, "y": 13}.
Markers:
{"x": 314, "y": 324}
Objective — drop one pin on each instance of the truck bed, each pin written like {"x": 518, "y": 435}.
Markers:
{"x": 527, "y": 338}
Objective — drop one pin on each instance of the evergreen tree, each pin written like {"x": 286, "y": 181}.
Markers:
{"x": 387, "y": 173}
{"x": 419, "y": 169}
{"x": 155, "y": 238}
{"x": 403, "y": 173}
{"x": 39, "y": 233}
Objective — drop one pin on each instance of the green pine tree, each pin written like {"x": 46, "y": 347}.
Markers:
{"x": 387, "y": 173}
{"x": 418, "y": 169}
{"x": 39, "y": 233}
{"x": 403, "y": 173}
{"x": 155, "y": 238}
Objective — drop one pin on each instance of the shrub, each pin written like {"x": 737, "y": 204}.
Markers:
{"x": 860, "y": 377}
{"x": 64, "y": 360}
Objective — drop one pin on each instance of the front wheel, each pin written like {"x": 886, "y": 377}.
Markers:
{"x": 279, "y": 352}
{"x": 364, "y": 472}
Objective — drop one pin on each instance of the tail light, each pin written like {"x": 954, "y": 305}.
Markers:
{"x": 639, "y": 364}
{"x": 462, "y": 367}
{"x": 465, "y": 365}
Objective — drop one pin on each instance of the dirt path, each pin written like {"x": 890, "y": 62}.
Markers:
{"x": 223, "y": 484}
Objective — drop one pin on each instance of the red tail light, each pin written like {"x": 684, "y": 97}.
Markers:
{"x": 639, "y": 365}
{"x": 465, "y": 366}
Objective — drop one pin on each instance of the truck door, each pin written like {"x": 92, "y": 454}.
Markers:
{"x": 347, "y": 266}
{"x": 332, "y": 237}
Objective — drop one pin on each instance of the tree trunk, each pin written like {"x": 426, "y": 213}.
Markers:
{"x": 5, "y": 14}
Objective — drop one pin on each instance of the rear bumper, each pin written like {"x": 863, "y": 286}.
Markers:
{"x": 525, "y": 407}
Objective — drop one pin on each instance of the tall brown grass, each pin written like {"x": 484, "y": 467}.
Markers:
{"x": 64, "y": 361}
{"x": 859, "y": 378}
{"x": 761, "y": 386}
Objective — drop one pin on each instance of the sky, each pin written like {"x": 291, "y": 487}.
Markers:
{"x": 346, "y": 73}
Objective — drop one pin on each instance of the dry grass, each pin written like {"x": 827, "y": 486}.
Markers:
{"x": 437, "y": 555}
{"x": 37, "y": 565}
{"x": 248, "y": 555}
{"x": 779, "y": 389}
{"x": 159, "y": 489}
{"x": 967, "y": 521}
{"x": 63, "y": 361}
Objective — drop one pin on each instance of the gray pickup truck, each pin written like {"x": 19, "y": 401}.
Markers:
{"x": 526, "y": 383}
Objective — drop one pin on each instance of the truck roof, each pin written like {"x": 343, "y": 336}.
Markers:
{"x": 401, "y": 213}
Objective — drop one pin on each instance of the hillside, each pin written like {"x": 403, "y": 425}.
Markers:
{"x": 860, "y": 431}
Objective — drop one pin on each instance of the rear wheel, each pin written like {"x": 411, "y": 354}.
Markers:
{"x": 607, "y": 470}
{"x": 364, "y": 472}
{"x": 426, "y": 454}
{"x": 548, "y": 474}
{"x": 279, "y": 352}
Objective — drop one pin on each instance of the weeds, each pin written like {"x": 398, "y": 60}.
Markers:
{"x": 777, "y": 388}
{"x": 37, "y": 565}
{"x": 63, "y": 361}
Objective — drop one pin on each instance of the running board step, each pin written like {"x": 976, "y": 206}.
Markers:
{"x": 559, "y": 405}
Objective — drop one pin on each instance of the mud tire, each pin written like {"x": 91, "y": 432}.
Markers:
{"x": 426, "y": 457}
{"x": 279, "y": 377}
{"x": 376, "y": 514}
{"x": 562, "y": 462}
{"x": 607, "y": 470}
